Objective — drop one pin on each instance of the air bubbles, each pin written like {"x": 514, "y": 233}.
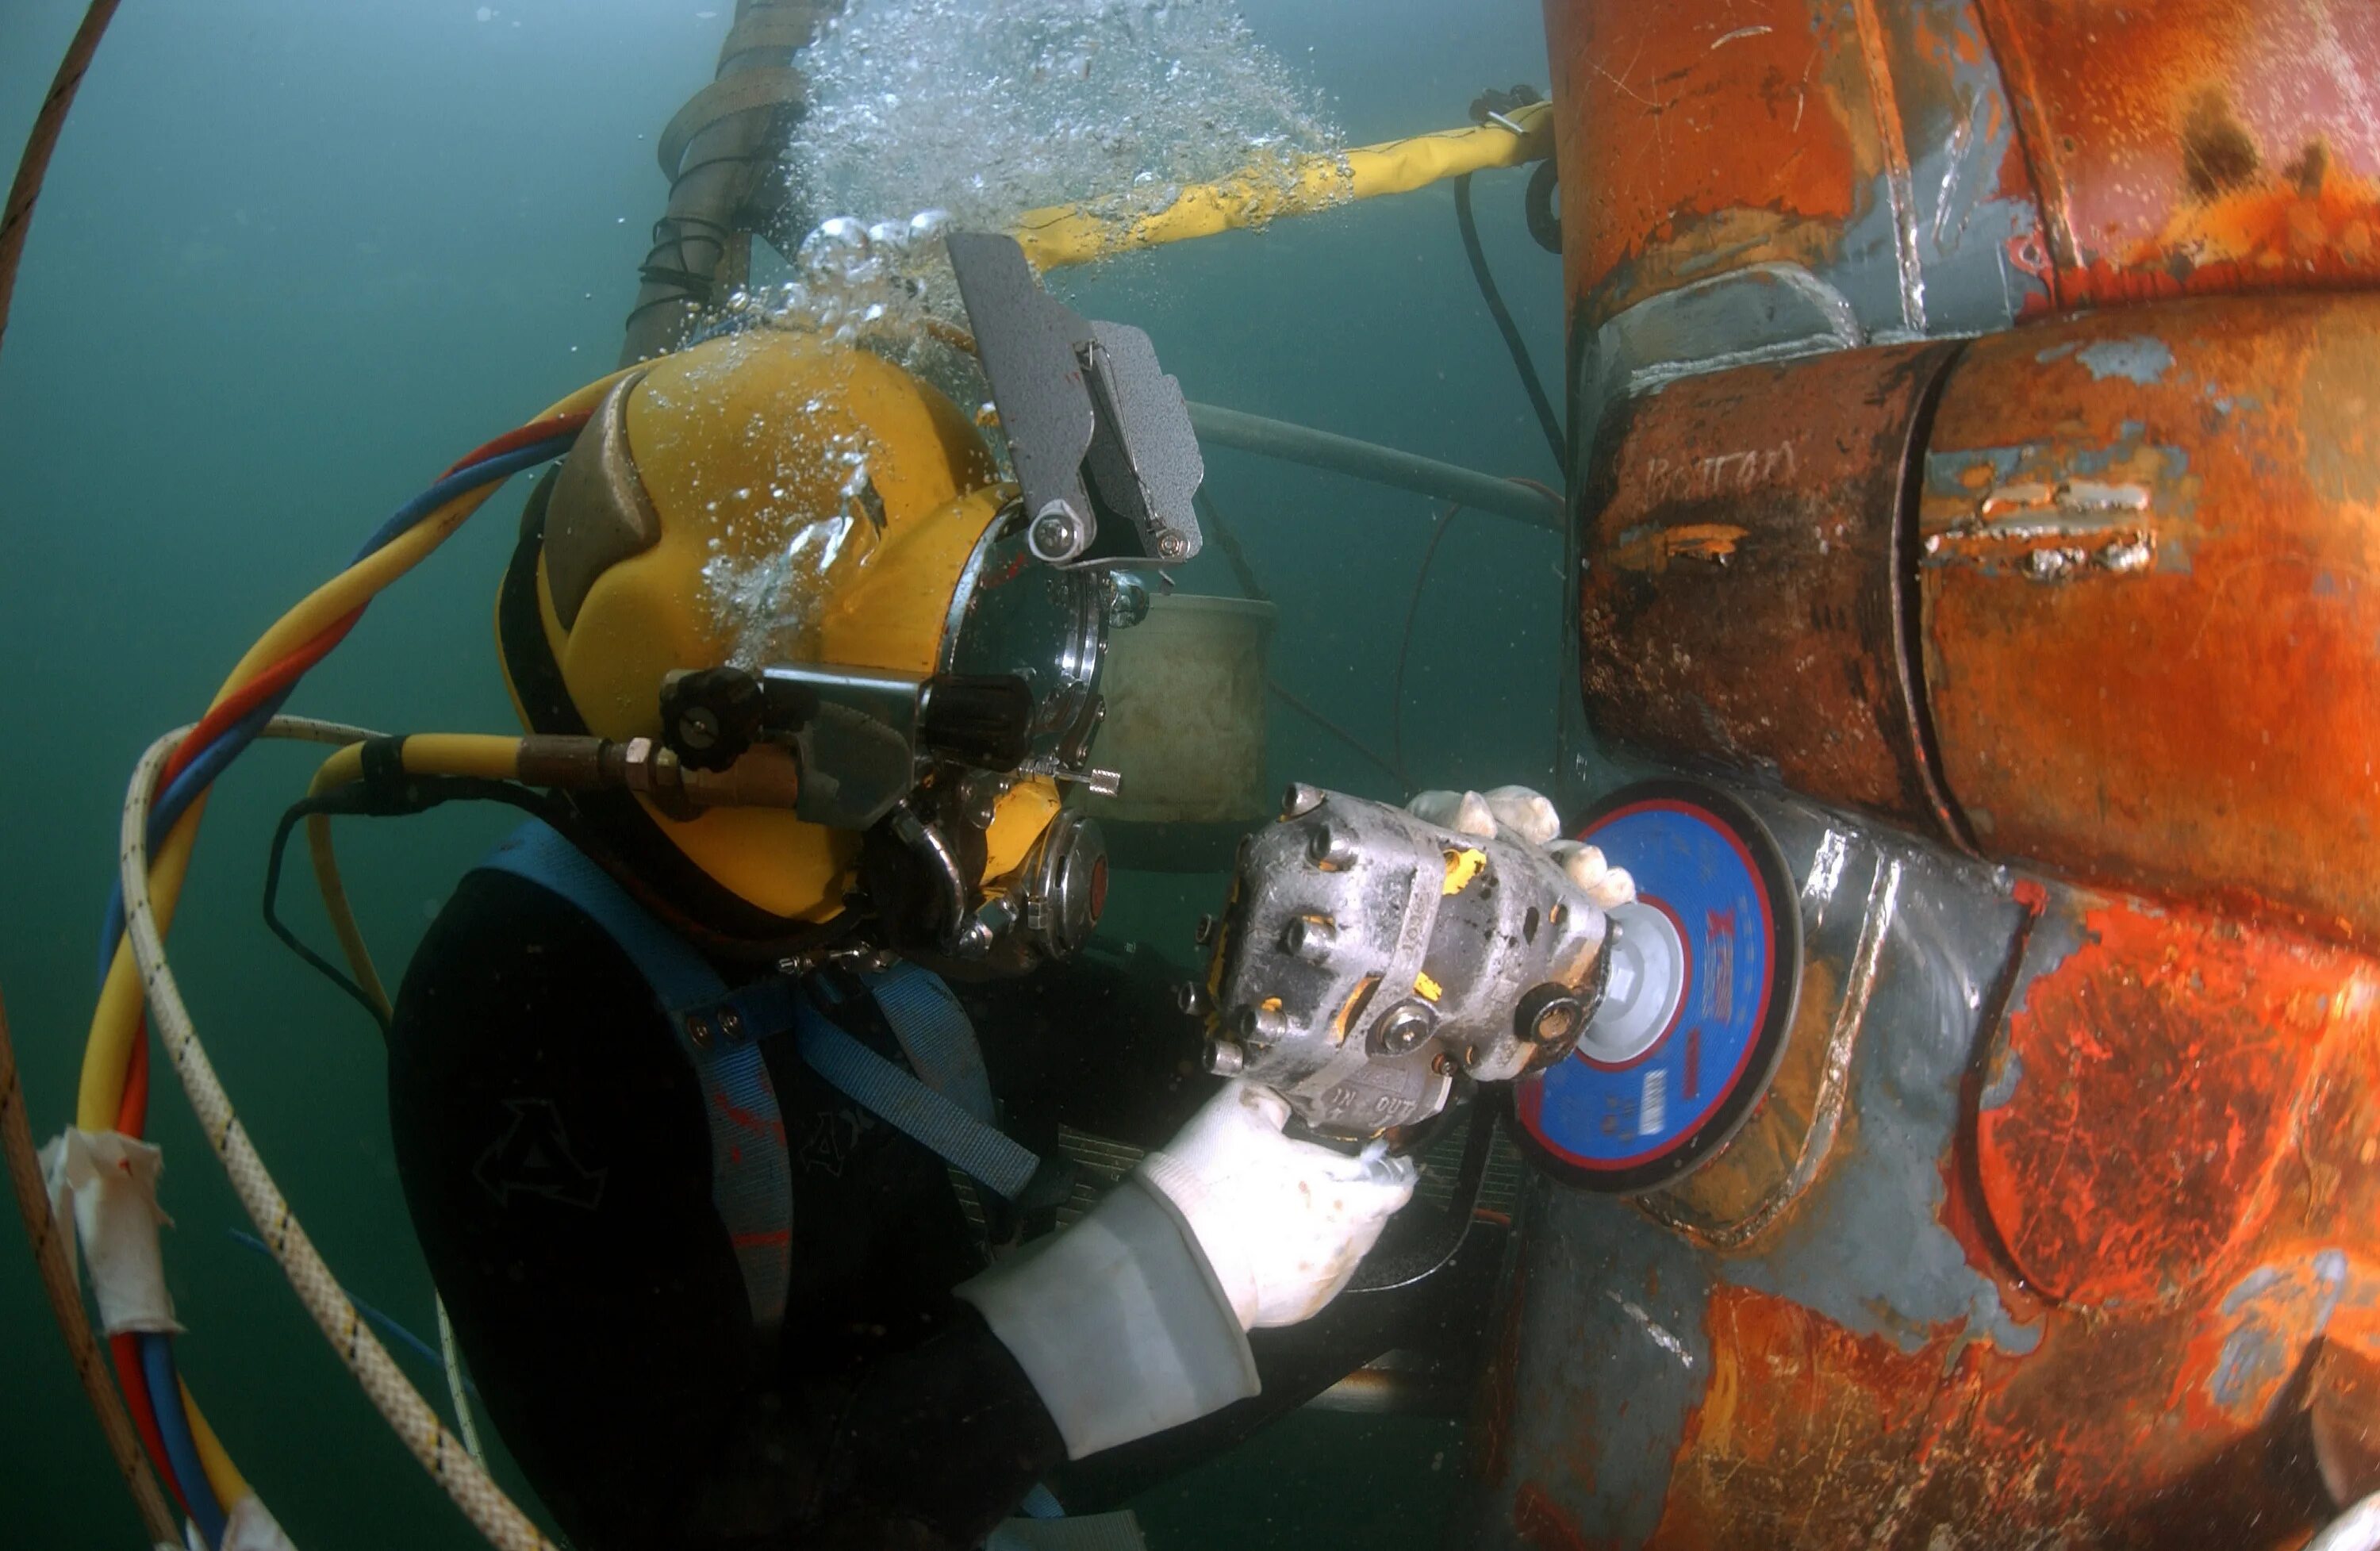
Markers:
{"x": 842, "y": 231}
{"x": 985, "y": 109}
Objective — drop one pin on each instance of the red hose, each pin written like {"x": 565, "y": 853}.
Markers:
{"x": 132, "y": 1110}
{"x": 258, "y": 690}
{"x": 536, "y": 430}
{"x": 287, "y": 672}
{"x": 125, "y": 1353}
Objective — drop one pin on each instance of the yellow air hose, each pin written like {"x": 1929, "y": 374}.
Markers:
{"x": 489, "y": 756}
{"x": 1063, "y": 234}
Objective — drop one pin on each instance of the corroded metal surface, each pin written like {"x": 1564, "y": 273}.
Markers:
{"x": 2150, "y": 569}
{"x": 1743, "y": 596}
{"x": 1943, "y": 166}
{"x": 2220, "y": 1028}
{"x": 2198, "y": 145}
{"x": 1866, "y": 147}
{"x": 2057, "y": 1227}
{"x": 1924, "y": 1351}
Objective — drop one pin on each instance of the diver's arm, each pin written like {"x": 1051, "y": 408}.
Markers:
{"x": 936, "y": 1445}
{"x": 1135, "y": 1319}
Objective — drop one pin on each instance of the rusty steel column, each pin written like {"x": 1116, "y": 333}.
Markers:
{"x": 2048, "y": 657}
{"x": 1757, "y": 513}
{"x": 2151, "y": 604}
{"x": 2196, "y": 146}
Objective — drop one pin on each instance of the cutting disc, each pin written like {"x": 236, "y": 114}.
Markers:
{"x": 1720, "y": 925}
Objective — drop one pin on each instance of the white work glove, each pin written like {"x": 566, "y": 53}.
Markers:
{"x": 1517, "y": 813}
{"x": 1282, "y": 1222}
{"x": 1135, "y": 1319}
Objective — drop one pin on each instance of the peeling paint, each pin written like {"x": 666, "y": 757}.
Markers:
{"x": 2141, "y": 358}
{"x": 2276, "y": 1309}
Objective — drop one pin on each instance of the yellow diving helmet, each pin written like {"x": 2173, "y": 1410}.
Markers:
{"x": 775, "y": 544}
{"x": 775, "y": 554}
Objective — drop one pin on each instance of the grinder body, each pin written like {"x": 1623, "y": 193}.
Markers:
{"x": 1370, "y": 959}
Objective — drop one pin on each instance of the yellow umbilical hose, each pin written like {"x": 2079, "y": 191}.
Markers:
{"x": 223, "y": 1477}
{"x": 109, "y": 1053}
{"x": 492, "y": 758}
{"x": 1063, "y": 235}
{"x": 116, "y": 1019}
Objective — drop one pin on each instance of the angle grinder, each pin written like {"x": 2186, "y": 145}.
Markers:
{"x": 1371, "y": 963}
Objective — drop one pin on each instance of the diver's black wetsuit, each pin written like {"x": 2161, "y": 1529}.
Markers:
{"x": 554, "y": 1156}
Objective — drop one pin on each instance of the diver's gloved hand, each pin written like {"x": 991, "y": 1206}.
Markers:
{"x": 1134, "y": 1320}
{"x": 1282, "y": 1222}
{"x": 1520, "y": 814}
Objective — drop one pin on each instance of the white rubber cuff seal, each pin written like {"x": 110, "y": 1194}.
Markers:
{"x": 1119, "y": 1323}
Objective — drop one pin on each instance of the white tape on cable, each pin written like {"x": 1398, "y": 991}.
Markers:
{"x": 111, "y": 1181}
{"x": 250, "y": 1527}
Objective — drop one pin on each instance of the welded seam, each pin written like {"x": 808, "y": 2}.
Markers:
{"x": 1967, "y": 1135}
{"x": 1916, "y": 703}
{"x": 1899, "y": 188}
{"x": 1834, "y": 1080}
{"x": 2030, "y": 120}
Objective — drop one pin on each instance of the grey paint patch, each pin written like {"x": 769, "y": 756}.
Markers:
{"x": 1772, "y": 311}
{"x": 1602, "y": 1401}
{"x": 2137, "y": 359}
{"x": 2005, "y": 1078}
{"x": 1866, "y": 1247}
{"x": 2274, "y": 1325}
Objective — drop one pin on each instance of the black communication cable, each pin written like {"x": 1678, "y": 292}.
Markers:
{"x": 416, "y": 795}
{"x": 1405, "y": 646}
{"x": 1537, "y": 205}
{"x": 1253, "y": 587}
{"x": 1547, "y": 420}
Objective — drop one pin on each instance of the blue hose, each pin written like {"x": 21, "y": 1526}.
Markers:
{"x": 382, "y": 1322}
{"x": 174, "y": 1429}
{"x": 156, "y": 1351}
{"x": 501, "y": 467}
{"x": 180, "y": 793}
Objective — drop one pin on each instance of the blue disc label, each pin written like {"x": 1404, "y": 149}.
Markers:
{"x": 1609, "y": 1117}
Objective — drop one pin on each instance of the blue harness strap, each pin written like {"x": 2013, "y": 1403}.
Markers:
{"x": 751, "y": 1174}
{"x": 949, "y": 1112}
{"x": 909, "y": 1106}
{"x": 935, "y": 1035}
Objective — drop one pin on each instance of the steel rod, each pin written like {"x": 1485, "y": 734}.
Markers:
{"x": 1375, "y": 464}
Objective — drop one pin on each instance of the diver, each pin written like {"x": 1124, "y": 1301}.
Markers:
{"x": 677, "y": 1130}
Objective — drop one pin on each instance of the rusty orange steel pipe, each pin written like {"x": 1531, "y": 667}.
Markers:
{"x": 1974, "y": 406}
